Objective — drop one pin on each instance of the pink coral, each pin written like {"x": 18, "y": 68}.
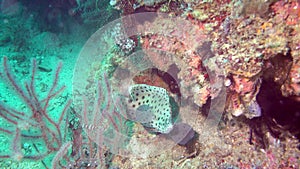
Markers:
{"x": 290, "y": 12}
{"x": 243, "y": 85}
{"x": 292, "y": 86}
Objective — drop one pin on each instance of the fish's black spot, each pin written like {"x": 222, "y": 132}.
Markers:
{"x": 133, "y": 105}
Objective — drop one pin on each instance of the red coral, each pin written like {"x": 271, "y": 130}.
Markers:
{"x": 155, "y": 77}
{"x": 292, "y": 86}
{"x": 243, "y": 85}
{"x": 195, "y": 62}
{"x": 289, "y": 12}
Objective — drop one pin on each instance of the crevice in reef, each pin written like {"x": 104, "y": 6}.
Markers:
{"x": 280, "y": 114}
{"x": 278, "y": 111}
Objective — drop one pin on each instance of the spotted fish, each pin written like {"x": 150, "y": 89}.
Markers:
{"x": 150, "y": 105}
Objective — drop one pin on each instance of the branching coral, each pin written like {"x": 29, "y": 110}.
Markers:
{"x": 36, "y": 118}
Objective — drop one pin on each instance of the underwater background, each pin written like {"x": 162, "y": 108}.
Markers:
{"x": 150, "y": 84}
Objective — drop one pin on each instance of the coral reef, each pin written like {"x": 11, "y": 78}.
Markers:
{"x": 189, "y": 84}
{"x": 246, "y": 43}
{"x": 243, "y": 93}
